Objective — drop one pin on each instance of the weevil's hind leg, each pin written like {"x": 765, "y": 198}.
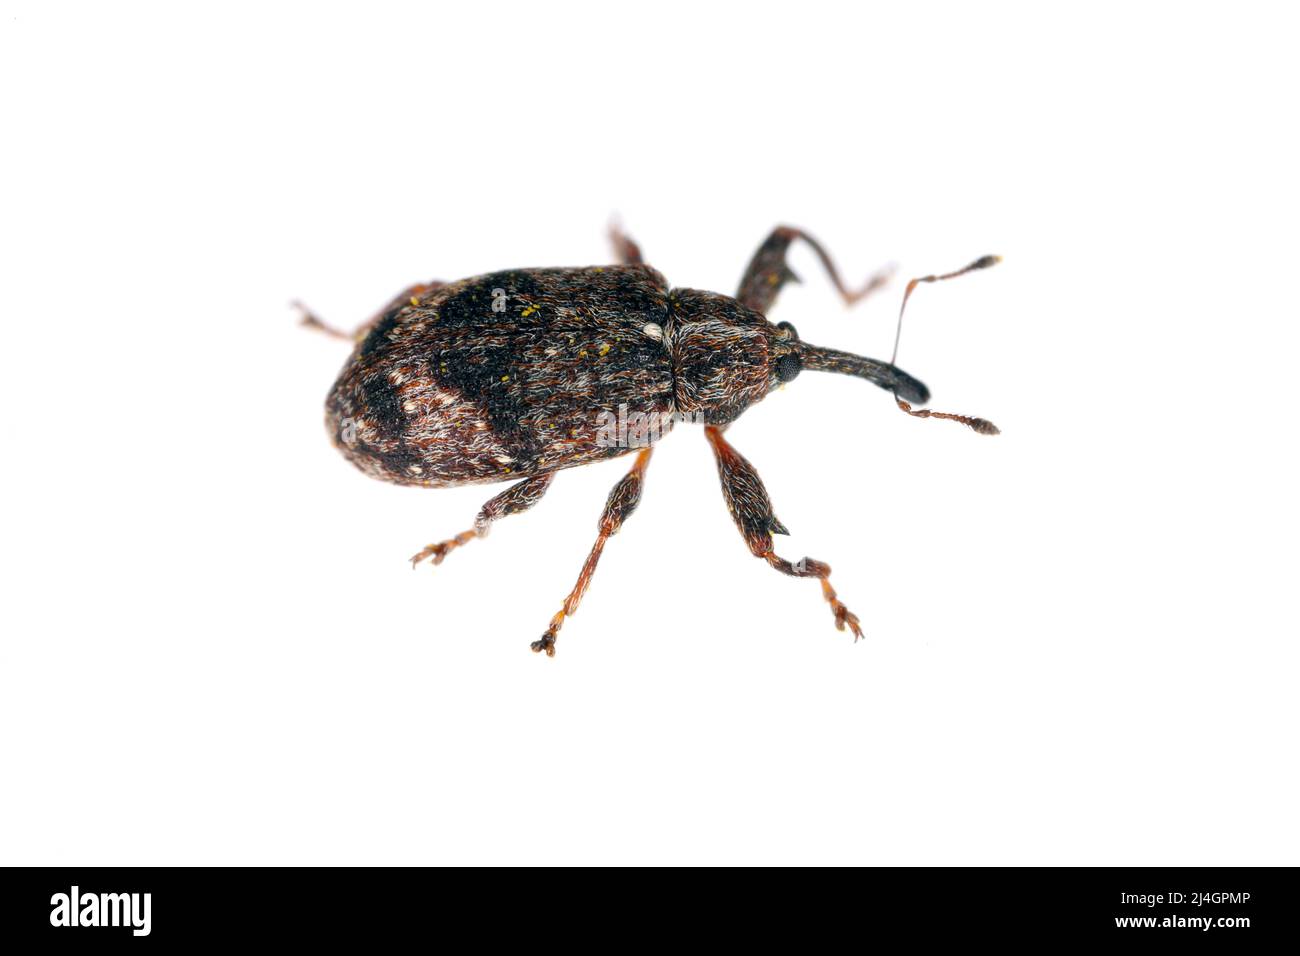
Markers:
{"x": 626, "y": 251}
{"x": 516, "y": 498}
{"x": 751, "y": 509}
{"x": 768, "y": 271}
{"x": 405, "y": 298}
{"x": 310, "y": 321}
{"x": 622, "y": 502}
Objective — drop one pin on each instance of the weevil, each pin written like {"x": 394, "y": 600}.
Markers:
{"x": 517, "y": 375}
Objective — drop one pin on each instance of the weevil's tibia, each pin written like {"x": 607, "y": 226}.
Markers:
{"x": 410, "y": 296}
{"x": 622, "y": 501}
{"x": 768, "y": 272}
{"x": 516, "y": 498}
{"x": 751, "y": 509}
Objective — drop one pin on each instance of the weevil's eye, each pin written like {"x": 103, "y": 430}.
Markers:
{"x": 788, "y": 368}
{"x": 788, "y": 330}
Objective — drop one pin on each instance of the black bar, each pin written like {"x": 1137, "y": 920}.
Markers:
{"x": 205, "y": 905}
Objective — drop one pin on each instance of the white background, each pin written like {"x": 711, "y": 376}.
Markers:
{"x": 1081, "y": 635}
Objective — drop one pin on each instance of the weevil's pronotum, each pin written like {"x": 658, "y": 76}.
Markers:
{"x": 516, "y": 375}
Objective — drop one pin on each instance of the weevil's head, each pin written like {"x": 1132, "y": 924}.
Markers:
{"x": 726, "y": 357}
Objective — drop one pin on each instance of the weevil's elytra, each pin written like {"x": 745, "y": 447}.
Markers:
{"x": 446, "y": 390}
{"x": 514, "y": 376}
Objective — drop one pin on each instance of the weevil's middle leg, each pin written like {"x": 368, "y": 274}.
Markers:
{"x": 751, "y": 509}
{"x": 516, "y": 498}
{"x": 768, "y": 271}
{"x": 622, "y": 501}
{"x": 407, "y": 297}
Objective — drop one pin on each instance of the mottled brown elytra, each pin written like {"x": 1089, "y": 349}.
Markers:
{"x": 513, "y": 376}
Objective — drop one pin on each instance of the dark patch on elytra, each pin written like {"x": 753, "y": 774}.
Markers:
{"x": 383, "y": 407}
{"x": 490, "y": 376}
{"x": 400, "y": 460}
{"x": 482, "y": 300}
{"x": 377, "y": 338}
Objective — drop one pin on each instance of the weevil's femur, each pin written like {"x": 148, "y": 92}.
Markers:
{"x": 889, "y": 377}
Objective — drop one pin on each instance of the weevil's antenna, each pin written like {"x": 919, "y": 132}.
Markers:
{"x": 983, "y": 262}
{"x": 981, "y": 425}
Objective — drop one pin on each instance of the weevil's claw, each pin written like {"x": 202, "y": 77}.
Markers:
{"x": 844, "y": 616}
{"x": 440, "y": 550}
{"x": 435, "y": 551}
{"x": 547, "y": 644}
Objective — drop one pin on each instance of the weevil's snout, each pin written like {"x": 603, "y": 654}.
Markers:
{"x": 908, "y": 388}
{"x": 889, "y": 377}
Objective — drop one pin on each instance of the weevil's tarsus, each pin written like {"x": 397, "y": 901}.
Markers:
{"x": 983, "y": 262}
{"x": 751, "y": 509}
{"x": 768, "y": 272}
{"x": 440, "y": 550}
{"x": 981, "y": 425}
{"x": 622, "y": 501}
{"x": 518, "y": 497}
{"x": 882, "y": 374}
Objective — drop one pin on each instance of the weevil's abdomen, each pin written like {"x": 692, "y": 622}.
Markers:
{"x": 508, "y": 375}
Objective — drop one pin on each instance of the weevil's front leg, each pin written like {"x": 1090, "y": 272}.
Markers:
{"x": 626, "y": 251}
{"x": 513, "y": 500}
{"x": 622, "y": 502}
{"x": 751, "y": 509}
{"x": 407, "y": 297}
{"x": 768, "y": 271}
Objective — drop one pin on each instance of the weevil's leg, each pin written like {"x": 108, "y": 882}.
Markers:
{"x": 751, "y": 509}
{"x": 626, "y": 251}
{"x": 768, "y": 271}
{"x": 622, "y": 502}
{"x": 513, "y": 500}
{"x": 407, "y": 297}
{"x": 310, "y": 321}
